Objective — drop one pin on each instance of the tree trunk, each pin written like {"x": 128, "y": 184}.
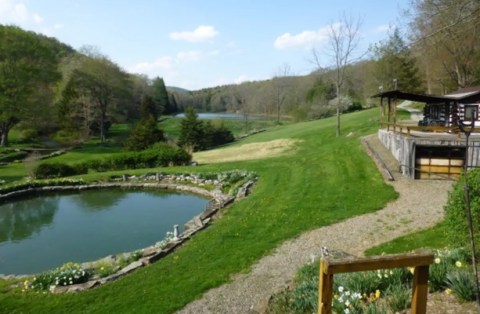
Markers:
{"x": 338, "y": 110}
{"x": 4, "y": 129}
{"x": 4, "y": 140}
{"x": 102, "y": 127}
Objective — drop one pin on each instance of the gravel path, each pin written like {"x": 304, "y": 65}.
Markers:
{"x": 419, "y": 206}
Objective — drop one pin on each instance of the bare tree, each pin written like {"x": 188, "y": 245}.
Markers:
{"x": 280, "y": 87}
{"x": 343, "y": 39}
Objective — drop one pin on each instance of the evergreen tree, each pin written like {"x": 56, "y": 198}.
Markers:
{"x": 160, "y": 96}
{"x": 146, "y": 133}
{"x": 396, "y": 67}
{"x": 148, "y": 108}
{"x": 191, "y": 131}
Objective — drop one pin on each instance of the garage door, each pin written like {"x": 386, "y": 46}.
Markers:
{"x": 439, "y": 162}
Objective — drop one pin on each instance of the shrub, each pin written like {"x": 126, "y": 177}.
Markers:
{"x": 12, "y": 155}
{"x": 57, "y": 170}
{"x": 160, "y": 155}
{"x": 455, "y": 216}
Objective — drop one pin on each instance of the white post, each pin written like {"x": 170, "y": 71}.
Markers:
{"x": 175, "y": 232}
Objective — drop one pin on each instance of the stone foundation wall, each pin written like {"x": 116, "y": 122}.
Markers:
{"x": 403, "y": 147}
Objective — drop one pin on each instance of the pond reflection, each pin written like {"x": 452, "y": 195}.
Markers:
{"x": 19, "y": 220}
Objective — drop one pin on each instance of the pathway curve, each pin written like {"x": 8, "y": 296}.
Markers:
{"x": 419, "y": 206}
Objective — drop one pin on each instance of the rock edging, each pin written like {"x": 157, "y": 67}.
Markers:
{"x": 149, "y": 254}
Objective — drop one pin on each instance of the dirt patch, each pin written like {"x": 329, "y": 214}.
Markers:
{"x": 246, "y": 151}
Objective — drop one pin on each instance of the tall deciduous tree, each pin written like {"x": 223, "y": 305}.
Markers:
{"x": 395, "y": 67}
{"x": 281, "y": 87}
{"x": 343, "y": 40}
{"x": 99, "y": 84}
{"x": 445, "y": 33}
{"x": 28, "y": 66}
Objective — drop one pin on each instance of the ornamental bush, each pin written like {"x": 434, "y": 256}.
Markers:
{"x": 455, "y": 215}
{"x": 57, "y": 170}
{"x": 160, "y": 155}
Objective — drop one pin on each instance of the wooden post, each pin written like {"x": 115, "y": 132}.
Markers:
{"x": 420, "y": 290}
{"x": 419, "y": 260}
{"x": 388, "y": 113}
{"x": 395, "y": 110}
{"x": 325, "y": 290}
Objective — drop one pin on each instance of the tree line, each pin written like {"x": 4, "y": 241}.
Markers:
{"x": 46, "y": 87}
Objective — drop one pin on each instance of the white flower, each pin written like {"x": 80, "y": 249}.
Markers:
{"x": 340, "y": 288}
{"x": 347, "y": 293}
{"x": 347, "y": 303}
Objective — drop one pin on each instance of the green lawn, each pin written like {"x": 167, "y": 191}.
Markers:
{"x": 327, "y": 180}
{"x": 433, "y": 238}
{"x": 171, "y": 125}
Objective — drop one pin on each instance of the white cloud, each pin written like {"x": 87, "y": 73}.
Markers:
{"x": 306, "y": 39}
{"x": 200, "y": 34}
{"x": 162, "y": 63}
{"x": 189, "y": 56}
{"x": 16, "y": 12}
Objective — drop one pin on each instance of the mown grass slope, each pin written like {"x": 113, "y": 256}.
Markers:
{"x": 325, "y": 180}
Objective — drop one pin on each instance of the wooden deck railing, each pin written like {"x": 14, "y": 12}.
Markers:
{"x": 420, "y": 261}
{"x": 405, "y": 129}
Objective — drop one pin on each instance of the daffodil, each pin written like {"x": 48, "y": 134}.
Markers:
{"x": 437, "y": 261}
{"x": 458, "y": 264}
{"x": 378, "y": 294}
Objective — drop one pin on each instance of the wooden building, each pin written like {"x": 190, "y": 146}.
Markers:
{"x": 435, "y": 147}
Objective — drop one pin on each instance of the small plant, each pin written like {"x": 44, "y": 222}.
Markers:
{"x": 437, "y": 274}
{"x": 104, "y": 269}
{"x": 304, "y": 298}
{"x": 167, "y": 239}
{"x": 398, "y": 297}
{"x": 346, "y": 301}
{"x": 68, "y": 274}
{"x": 462, "y": 284}
{"x": 40, "y": 282}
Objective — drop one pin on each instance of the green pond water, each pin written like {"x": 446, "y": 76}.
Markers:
{"x": 43, "y": 232}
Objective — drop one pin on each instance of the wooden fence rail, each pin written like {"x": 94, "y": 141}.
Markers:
{"x": 420, "y": 261}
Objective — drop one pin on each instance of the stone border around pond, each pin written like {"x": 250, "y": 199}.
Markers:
{"x": 149, "y": 254}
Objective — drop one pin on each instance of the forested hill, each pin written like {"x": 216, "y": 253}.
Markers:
{"x": 49, "y": 89}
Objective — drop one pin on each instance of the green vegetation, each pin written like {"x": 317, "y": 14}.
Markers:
{"x": 295, "y": 193}
{"x": 198, "y": 135}
{"x": 433, "y": 238}
{"x": 455, "y": 214}
{"x": 381, "y": 291}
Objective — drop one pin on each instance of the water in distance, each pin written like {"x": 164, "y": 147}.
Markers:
{"x": 43, "y": 232}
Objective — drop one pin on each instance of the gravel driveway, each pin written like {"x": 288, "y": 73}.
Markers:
{"x": 419, "y": 206}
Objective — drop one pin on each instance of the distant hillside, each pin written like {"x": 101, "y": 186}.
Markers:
{"x": 174, "y": 89}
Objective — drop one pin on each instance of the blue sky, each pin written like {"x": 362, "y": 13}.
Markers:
{"x": 197, "y": 44}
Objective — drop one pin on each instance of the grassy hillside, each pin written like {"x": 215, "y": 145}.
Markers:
{"x": 326, "y": 179}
